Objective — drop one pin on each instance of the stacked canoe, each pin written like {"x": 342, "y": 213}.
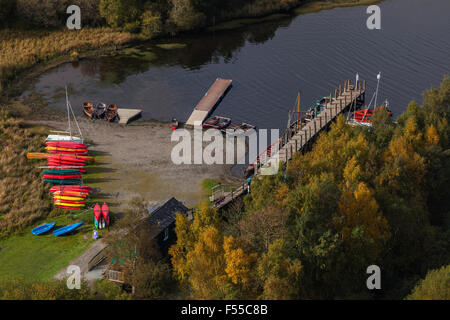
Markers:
{"x": 62, "y": 176}
{"x": 70, "y": 196}
{"x": 62, "y": 160}
{"x": 66, "y": 147}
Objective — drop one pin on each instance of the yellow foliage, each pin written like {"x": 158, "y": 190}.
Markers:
{"x": 238, "y": 263}
{"x": 358, "y": 210}
{"x": 432, "y": 136}
{"x": 206, "y": 265}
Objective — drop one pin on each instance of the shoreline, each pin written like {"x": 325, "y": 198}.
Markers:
{"x": 25, "y": 77}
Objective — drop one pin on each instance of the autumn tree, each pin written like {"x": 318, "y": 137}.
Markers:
{"x": 435, "y": 286}
{"x": 279, "y": 274}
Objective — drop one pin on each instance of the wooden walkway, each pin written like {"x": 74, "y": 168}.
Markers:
{"x": 294, "y": 140}
{"x": 209, "y": 101}
{"x": 298, "y": 140}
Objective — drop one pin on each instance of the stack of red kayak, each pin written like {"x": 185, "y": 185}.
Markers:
{"x": 66, "y": 147}
{"x": 62, "y": 160}
{"x": 70, "y": 197}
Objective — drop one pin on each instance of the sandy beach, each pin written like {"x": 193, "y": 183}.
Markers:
{"x": 135, "y": 160}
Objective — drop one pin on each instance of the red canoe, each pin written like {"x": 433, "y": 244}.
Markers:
{"x": 97, "y": 212}
{"x": 71, "y": 187}
{"x": 66, "y": 157}
{"x": 81, "y": 153}
{"x": 66, "y": 144}
{"x": 65, "y": 207}
{"x": 105, "y": 213}
{"x": 61, "y": 176}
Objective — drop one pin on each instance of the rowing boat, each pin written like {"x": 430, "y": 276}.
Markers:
{"x": 239, "y": 129}
{"x": 88, "y": 109}
{"x": 67, "y": 229}
{"x": 43, "y": 228}
{"x": 210, "y": 122}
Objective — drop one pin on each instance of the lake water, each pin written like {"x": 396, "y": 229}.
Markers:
{"x": 269, "y": 62}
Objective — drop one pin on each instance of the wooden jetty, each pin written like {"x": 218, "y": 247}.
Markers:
{"x": 209, "y": 101}
{"x": 298, "y": 138}
{"x": 295, "y": 140}
{"x": 128, "y": 115}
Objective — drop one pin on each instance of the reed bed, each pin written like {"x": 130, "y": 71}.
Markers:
{"x": 23, "y": 198}
{"x": 22, "y": 49}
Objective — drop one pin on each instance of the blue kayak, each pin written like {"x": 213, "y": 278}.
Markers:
{"x": 67, "y": 229}
{"x": 43, "y": 229}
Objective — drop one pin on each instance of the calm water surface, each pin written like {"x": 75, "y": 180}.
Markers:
{"x": 268, "y": 63}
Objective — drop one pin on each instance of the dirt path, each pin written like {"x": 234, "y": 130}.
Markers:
{"x": 83, "y": 260}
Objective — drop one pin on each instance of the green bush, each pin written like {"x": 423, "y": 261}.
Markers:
{"x": 151, "y": 24}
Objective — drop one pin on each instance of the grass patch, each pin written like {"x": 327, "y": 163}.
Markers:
{"x": 22, "y": 49}
{"x": 171, "y": 46}
{"x": 31, "y": 257}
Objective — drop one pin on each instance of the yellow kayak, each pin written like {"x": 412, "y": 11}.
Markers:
{"x": 71, "y": 193}
{"x": 75, "y": 205}
{"x": 68, "y": 198}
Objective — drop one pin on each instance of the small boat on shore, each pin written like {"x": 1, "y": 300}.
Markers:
{"x": 239, "y": 129}
{"x": 100, "y": 110}
{"x": 67, "y": 229}
{"x": 43, "y": 229}
{"x": 174, "y": 124}
{"x": 111, "y": 113}
{"x": 210, "y": 122}
{"x": 105, "y": 214}
{"x": 88, "y": 109}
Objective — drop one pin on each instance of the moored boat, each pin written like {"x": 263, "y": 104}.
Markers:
{"x": 88, "y": 109}
{"x": 100, "y": 110}
{"x": 111, "y": 113}
{"x": 239, "y": 129}
{"x": 210, "y": 122}
{"x": 222, "y": 123}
